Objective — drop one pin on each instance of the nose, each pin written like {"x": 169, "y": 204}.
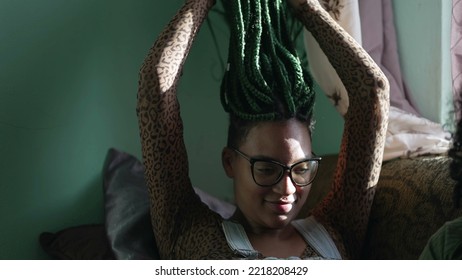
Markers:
{"x": 285, "y": 187}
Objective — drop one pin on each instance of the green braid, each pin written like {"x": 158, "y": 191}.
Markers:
{"x": 265, "y": 79}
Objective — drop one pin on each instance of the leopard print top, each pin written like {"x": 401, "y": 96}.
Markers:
{"x": 184, "y": 227}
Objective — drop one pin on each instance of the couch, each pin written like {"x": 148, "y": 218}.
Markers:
{"x": 413, "y": 199}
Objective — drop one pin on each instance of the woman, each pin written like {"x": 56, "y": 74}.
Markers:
{"x": 446, "y": 242}
{"x": 269, "y": 159}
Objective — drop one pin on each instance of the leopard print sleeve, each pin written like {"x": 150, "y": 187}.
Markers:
{"x": 180, "y": 221}
{"x": 346, "y": 208}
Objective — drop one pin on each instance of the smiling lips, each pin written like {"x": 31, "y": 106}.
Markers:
{"x": 281, "y": 206}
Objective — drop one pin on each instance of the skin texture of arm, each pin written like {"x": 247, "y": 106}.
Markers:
{"x": 346, "y": 208}
{"x": 180, "y": 220}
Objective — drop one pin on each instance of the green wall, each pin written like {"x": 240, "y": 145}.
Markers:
{"x": 68, "y": 82}
{"x": 67, "y": 93}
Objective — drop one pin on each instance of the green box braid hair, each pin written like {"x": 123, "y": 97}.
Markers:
{"x": 265, "y": 79}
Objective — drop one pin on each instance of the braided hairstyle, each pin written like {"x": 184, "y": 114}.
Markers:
{"x": 455, "y": 152}
{"x": 265, "y": 79}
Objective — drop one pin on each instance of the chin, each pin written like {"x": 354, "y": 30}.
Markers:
{"x": 286, "y": 217}
{"x": 281, "y": 221}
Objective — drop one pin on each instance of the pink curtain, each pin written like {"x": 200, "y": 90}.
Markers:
{"x": 379, "y": 40}
{"x": 456, "y": 48}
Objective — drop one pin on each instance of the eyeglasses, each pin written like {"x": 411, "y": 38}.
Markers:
{"x": 267, "y": 173}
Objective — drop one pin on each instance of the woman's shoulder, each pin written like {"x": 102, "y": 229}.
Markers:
{"x": 446, "y": 243}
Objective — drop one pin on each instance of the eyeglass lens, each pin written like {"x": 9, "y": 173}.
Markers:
{"x": 268, "y": 173}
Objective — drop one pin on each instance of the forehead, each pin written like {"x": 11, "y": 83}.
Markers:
{"x": 284, "y": 140}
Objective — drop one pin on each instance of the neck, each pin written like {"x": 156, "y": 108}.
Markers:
{"x": 281, "y": 242}
{"x": 253, "y": 230}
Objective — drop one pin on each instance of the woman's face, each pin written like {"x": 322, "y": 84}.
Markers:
{"x": 269, "y": 207}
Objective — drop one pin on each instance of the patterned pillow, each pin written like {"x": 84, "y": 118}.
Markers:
{"x": 127, "y": 210}
{"x": 86, "y": 242}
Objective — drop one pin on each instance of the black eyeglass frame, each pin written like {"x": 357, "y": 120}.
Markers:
{"x": 286, "y": 168}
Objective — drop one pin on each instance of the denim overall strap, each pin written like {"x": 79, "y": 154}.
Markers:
{"x": 237, "y": 240}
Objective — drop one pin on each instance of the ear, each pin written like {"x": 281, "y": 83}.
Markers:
{"x": 227, "y": 159}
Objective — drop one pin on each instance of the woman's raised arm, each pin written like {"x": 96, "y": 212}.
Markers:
{"x": 347, "y": 206}
{"x": 161, "y": 127}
